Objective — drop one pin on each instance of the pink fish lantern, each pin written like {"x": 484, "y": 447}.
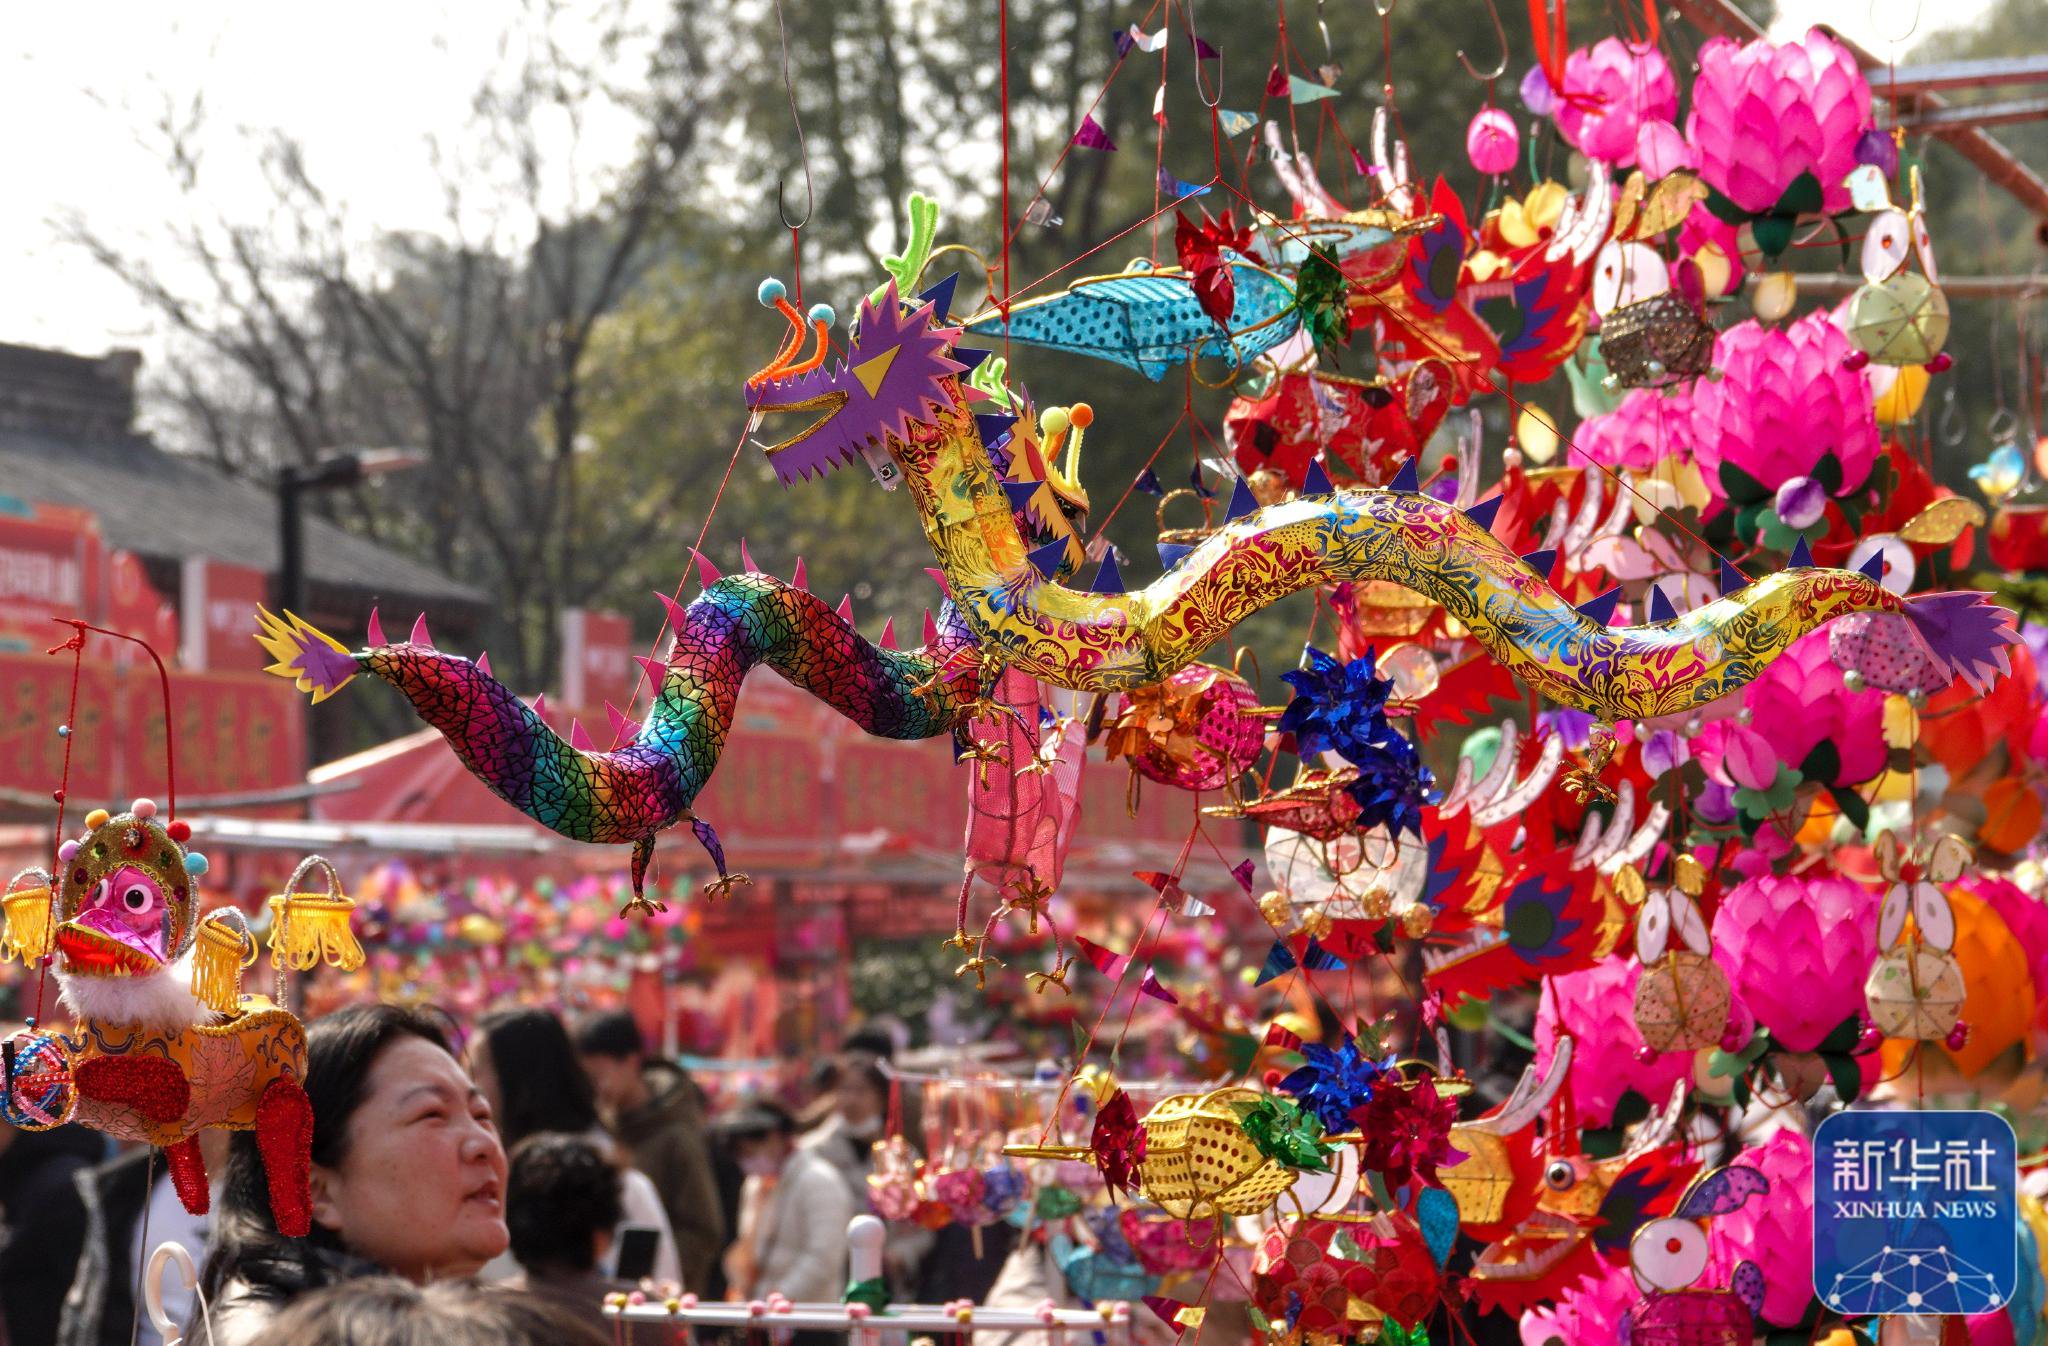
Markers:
{"x": 1610, "y": 90}
{"x": 1491, "y": 141}
{"x": 1021, "y": 813}
{"x": 1881, "y": 650}
{"x": 1765, "y": 112}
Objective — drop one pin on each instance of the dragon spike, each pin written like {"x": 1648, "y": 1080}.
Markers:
{"x": 1483, "y": 513}
{"x": 672, "y": 610}
{"x": 624, "y": 726}
{"x": 1873, "y": 566}
{"x": 796, "y": 579}
{"x": 971, "y": 359}
{"x": 1046, "y": 560}
{"x": 931, "y": 631}
{"x": 845, "y": 609}
{"x": 1242, "y": 501}
{"x": 747, "y": 560}
{"x": 993, "y": 426}
{"x": 939, "y": 578}
{"x": 1172, "y": 554}
{"x": 1731, "y": 578}
{"x": 483, "y": 662}
{"x": 707, "y": 573}
{"x": 374, "y": 637}
{"x": 1802, "y": 555}
{"x": 579, "y": 737}
{"x": 655, "y": 670}
{"x": 1541, "y": 561}
{"x": 888, "y": 640}
{"x": 1316, "y": 481}
{"x": 1408, "y": 480}
{"x": 1108, "y": 578}
{"x": 1601, "y": 609}
{"x": 540, "y": 704}
{"x": 940, "y": 297}
{"x": 1020, "y": 492}
{"x": 1660, "y": 605}
{"x": 420, "y": 634}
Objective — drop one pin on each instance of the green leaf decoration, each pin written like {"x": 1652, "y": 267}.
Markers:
{"x": 1740, "y": 487}
{"x": 1823, "y": 764}
{"x": 1725, "y": 210}
{"x": 1852, "y": 806}
{"x": 1285, "y": 1134}
{"x": 1843, "y": 1072}
{"x": 1802, "y": 196}
{"x": 1828, "y": 472}
{"x": 1773, "y": 234}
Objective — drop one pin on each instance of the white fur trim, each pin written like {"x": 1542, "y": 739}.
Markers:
{"x": 163, "y": 999}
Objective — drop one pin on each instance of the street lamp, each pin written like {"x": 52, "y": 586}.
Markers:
{"x": 345, "y": 467}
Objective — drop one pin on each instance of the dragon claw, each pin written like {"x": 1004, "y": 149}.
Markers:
{"x": 641, "y": 906}
{"x": 979, "y": 965}
{"x": 960, "y": 940}
{"x": 1039, "y": 981}
{"x": 722, "y": 886}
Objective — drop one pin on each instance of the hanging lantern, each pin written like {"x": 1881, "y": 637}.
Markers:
{"x": 1898, "y": 317}
{"x": 1197, "y": 730}
{"x": 1345, "y": 1274}
{"x": 1916, "y": 989}
{"x": 1681, "y": 999}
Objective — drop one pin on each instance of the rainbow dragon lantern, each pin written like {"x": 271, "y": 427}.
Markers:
{"x": 898, "y": 402}
{"x": 164, "y": 1043}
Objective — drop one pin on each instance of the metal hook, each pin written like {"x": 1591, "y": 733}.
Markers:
{"x": 802, "y": 148}
{"x": 1329, "y": 52}
{"x": 1194, "y": 40}
{"x": 1500, "y": 34}
{"x": 1911, "y": 29}
{"x": 1950, "y": 426}
{"x": 1383, "y": 8}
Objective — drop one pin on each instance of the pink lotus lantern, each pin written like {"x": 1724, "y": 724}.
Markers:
{"x": 1785, "y": 400}
{"x": 1646, "y": 429}
{"x": 1774, "y": 1230}
{"x": 1491, "y": 141}
{"x": 1797, "y": 950}
{"x": 1764, "y": 113}
{"x": 1589, "y": 1313}
{"x": 1610, "y": 89}
{"x": 1605, "y": 1064}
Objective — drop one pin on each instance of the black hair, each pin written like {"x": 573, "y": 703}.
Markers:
{"x": 615, "y": 1034}
{"x": 560, "y": 1194}
{"x": 865, "y": 1069}
{"x": 388, "y": 1311}
{"x": 541, "y": 1084}
{"x": 874, "y": 1040}
{"x": 759, "y": 1119}
{"x": 245, "y": 1245}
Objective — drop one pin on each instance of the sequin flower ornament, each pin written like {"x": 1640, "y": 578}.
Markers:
{"x": 1342, "y": 708}
{"x": 1408, "y": 1133}
{"x": 1334, "y": 1082}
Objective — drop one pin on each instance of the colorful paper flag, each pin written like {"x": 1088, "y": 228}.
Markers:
{"x": 1091, "y": 136}
{"x": 1284, "y": 1038}
{"x": 1279, "y": 961}
{"x": 1358, "y": 162}
{"x": 1301, "y": 90}
{"x": 1108, "y": 962}
{"x": 1203, "y": 51}
{"x": 1134, "y": 36}
{"x": 1242, "y": 871}
{"x": 1236, "y": 123}
{"x": 1276, "y": 82}
{"x": 1152, "y": 986}
{"x": 1316, "y": 958}
{"x": 1176, "y": 190}
{"x": 1148, "y": 483}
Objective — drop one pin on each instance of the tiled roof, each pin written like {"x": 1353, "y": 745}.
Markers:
{"x": 170, "y": 506}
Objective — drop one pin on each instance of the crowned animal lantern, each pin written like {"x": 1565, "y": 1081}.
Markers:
{"x": 1681, "y": 1001}
{"x": 164, "y": 1044}
{"x": 1916, "y": 989}
{"x": 1899, "y": 316}
{"x": 1670, "y": 1254}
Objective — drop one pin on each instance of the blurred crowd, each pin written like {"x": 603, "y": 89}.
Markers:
{"x": 489, "y": 1185}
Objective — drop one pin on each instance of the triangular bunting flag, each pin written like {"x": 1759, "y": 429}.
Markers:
{"x": 1408, "y": 479}
{"x": 1173, "y": 189}
{"x": 1148, "y": 483}
{"x": 1152, "y": 986}
{"x": 1316, "y": 958}
{"x": 1091, "y": 136}
{"x": 1236, "y": 123}
{"x": 1106, "y": 961}
{"x": 1276, "y": 82}
{"x": 1601, "y": 609}
{"x": 1802, "y": 555}
{"x": 1046, "y": 560}
{"x": 1195, "y": 906}
{"x": 1483, "y": 512}
{"x": 1300, "y": 90}
{"x": 1279, "y": 961}
{"x": 1316, "y": 481}
{"x": 1242, "y": 501}
{"x": 1168, "y": 1311}
{"x": 1203, "y": 51}
{"x": 1731, "y": 578}
{"x": 1358, "y": 162}
{"x": 1108, "y": 578}
{"x": 1285, "y": 1039}
{"x": 1242, "y": 871}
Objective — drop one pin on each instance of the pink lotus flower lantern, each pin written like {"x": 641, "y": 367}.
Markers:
{"x": 1775, "y": 1230}
{"x": 1764, "y": 113}
{"x": 1610, "y": 90}
{"x": 1647, "y": 428}
{"x": 1589, "y": 1313}
{"x": 1796, "y": 951}
{"x": 1786, "y": 400}
{"x": 1491, "y": 141}
{"x": 1589, "y": 1005}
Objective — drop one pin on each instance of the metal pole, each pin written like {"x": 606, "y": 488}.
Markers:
{"x": 291, "y": 544}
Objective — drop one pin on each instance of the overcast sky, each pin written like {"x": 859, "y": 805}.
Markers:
{"x": 361, "y": 86}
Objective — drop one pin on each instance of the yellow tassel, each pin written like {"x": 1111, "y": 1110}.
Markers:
{"x": 28, "y": 936}
{"x": 306, "y": 930}
{"x": 217, "y": 963}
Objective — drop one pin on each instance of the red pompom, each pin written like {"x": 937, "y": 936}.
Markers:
{"x": 1941, "y": 363}
{"x": 180, "y": 830}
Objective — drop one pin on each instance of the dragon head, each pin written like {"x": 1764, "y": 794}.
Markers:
{"x": 124, "y": 898}
{"x": 894, "y": 371}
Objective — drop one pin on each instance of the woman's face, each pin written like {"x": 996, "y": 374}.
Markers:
{"x": 421, "y": 1191}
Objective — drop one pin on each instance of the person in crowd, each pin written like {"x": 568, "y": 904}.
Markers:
{"x": 860, "y": 1107}
{"x": 408, "y": 1178}
{"x": 42, "y": 1224}
{"x": 562, "y": 1204}
{"x": 388, "y": 1311}
{"x": 657, "y": 1113}
{"x": 131, "y": 1209}
{"x": 793, "y": 1211}
{"x": 527, "y": 1067}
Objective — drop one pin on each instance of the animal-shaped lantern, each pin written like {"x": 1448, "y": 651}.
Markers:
{"x": 1667, "y": 1256}
{"x": 164, "y": 1043}
{"x": 1681, "y": 1002}
{"x": 1915, "y": 989}
{"x": 1898, "y": 317}
{"x": 1495, "y": 1184}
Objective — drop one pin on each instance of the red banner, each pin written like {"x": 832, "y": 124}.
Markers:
{"x": 51, "y": 562}
{"x": 217, "y": 607}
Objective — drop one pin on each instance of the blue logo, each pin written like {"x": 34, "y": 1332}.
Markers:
{"x": 1915, "y": 1212}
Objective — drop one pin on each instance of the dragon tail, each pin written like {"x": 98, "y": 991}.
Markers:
{"x": 315, "y": 661}
{"x": 1966, "y": 633}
